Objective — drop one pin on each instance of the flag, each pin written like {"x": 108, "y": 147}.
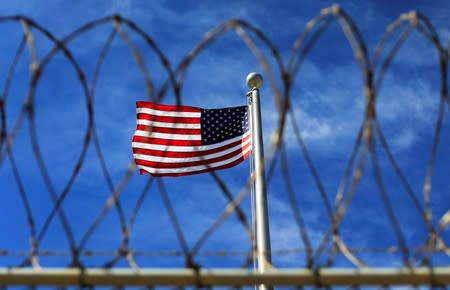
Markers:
{"x": 185, "y": 140}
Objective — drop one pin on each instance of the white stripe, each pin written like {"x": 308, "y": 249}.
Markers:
{"x": 168, "y": 113}
{"x": 193, "y": 168}
{"x": 145, "y": 133}
{"x": 142, "y": 145}
{"x": 168, "y": 125}
{"x": 146, "y": 157}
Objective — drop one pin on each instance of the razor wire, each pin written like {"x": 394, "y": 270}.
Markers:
{"x": 370, "y": 141}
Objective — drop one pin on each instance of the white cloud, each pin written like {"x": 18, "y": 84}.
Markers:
{"x": 405, "y": 138}
{"x": 329, "y": 108}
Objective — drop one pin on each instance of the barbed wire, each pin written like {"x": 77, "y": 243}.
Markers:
{"x": 370, "y": 141}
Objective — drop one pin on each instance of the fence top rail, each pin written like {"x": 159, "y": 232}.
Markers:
{"x": 437, "y": 276}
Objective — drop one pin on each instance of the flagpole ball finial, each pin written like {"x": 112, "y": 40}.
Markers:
{"x": 254, "y": 80}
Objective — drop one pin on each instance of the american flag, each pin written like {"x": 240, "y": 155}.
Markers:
{"x": 184, "y": 140}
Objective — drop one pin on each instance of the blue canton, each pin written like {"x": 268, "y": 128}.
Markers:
{"x": 218, "y": 125}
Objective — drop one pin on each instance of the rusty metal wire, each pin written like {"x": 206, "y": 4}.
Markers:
{"x": 370, "y": 143}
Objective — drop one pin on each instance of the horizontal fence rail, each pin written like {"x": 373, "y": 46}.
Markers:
{"x": 224, "y": 277}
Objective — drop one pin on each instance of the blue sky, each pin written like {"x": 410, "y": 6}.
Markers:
{"x": 328, "y": 103}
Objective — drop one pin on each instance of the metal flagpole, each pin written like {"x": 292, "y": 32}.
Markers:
{"x": 254, "y": 81}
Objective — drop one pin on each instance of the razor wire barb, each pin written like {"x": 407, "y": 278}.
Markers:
{"x": 365, "y": 151}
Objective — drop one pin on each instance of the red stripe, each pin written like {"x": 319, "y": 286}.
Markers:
{"x": 167, "y": 107}
{"x": 187, "y": 154}
{"x": 169, "y": 142}
{"x": 234, "y": 163}
{"x": 168, "y": 119}
{"x": 154, "y": 164}
{"x": 169, "y": 130}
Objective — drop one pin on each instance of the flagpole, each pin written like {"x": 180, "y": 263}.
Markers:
{"x": 254, "y": 81}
